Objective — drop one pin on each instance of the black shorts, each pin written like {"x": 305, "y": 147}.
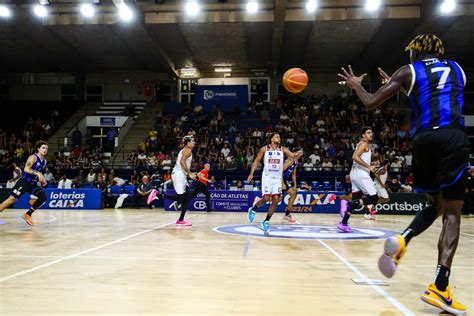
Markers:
{"x": 441, "y": 160}
{"x": 22, "y": 186}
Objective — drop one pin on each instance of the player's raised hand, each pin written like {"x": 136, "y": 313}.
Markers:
{"x": 351, "y": 80}
{"x": 384, "y": 75}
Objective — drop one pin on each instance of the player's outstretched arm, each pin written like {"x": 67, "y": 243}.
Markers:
{"x": 399, "y": 80}
{"x": 292, "y": 155}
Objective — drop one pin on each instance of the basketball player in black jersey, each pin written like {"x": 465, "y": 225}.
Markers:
{"x": 434, "y": 87}
{"x": 31, "y": 176}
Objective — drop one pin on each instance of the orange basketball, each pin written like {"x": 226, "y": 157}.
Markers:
{"x": 295, "y": 80}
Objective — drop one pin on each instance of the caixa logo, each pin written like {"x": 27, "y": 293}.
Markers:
{"x": 66, "y": 200}
{"x": 200, "y": 205}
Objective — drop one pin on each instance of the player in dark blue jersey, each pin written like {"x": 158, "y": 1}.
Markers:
{"x": 434, "y": 87}
{"x": 31, "y": 181}
{"x": 289, "y": 185}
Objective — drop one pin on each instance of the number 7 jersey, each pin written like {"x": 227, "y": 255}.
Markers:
{"x": 436, "y": 95}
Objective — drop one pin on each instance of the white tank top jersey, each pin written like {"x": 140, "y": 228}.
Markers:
{"x": 177, "y": 166}
{"x": 273, "y": 162}
{"x": 361, "y": 171}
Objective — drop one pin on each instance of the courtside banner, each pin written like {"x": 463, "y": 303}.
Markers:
{"x": 81, "y": 199}
{"x": 403, "y": 203}
{"x": 240, "y": 201}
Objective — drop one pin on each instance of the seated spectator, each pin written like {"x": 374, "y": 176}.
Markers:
{"x": 240, "y": 185}
{"x": 135, "y": 178}
{"x": 64, "y": 183}
{"x": 143, "y": 190}
{"x": 91, "y": 177}
{"x": 396, "y": 166}
{"x": 141, "y": 159}
{"x": 152, "y": 161}
{"x": 78, "y": 182}
{"x": 166, "y": 163}
{"x": 167, "y": 176}
{"x": 394, "y": 186}
{"x": 308, "y": 166}
{"x": 48, "y": 176}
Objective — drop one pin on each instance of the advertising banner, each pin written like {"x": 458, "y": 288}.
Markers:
{"x": 226, "y": 96}
{"x": 107, "y": 121}
{"x": 240, "y": 201}
{"x": 82, "y": 199}
{"x": 306, "y": 202}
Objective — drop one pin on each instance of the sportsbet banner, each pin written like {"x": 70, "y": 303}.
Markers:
{"x": 89, "y": 199}
{"x": 306, "y": 202}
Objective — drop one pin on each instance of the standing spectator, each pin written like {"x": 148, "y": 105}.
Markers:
{"x": 111, "y": 134}
{"x": 77, "y": 137}
{"x": 102, "y": 186}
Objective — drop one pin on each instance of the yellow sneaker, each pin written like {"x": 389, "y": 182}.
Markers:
{"x": 27, "y": 219}
{"x": 443, "y": 300}
{"x": 394, "y": 249}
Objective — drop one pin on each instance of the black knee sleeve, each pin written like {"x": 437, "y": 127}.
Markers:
{"x": 41, "y": 199}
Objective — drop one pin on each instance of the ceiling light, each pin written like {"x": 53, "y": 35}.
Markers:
{"x": 372, "y": 5}
{"x": 44, "y": 2}
{"x": 311, "y": 5}
{"x": 223, "y": 69}
{"x": 447, "y": 6}
{"x": 87, "y": 10}
{"x": 252, "y": 7}
{"x": 125, "y": 13}
{"x": 4, "y": 11}
{"x": 40, "y": 11}
{"x": 192, "y": 8}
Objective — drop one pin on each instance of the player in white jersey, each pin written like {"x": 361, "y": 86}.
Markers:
{"x": 181, "y": 172}
{"x": 380, "y": 177}
{"x": 273, "y": 156}
{"x": 361, "y": 181}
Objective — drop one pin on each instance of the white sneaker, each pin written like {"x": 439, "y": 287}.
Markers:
{"x": 369, "y": 217}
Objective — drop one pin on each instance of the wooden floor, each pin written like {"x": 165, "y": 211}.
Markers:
{"x": 136, "y": 262}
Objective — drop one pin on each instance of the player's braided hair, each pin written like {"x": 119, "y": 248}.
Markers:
{"x": 426, "y": 43}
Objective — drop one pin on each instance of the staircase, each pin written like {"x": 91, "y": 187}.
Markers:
{"x": 139, "y": 131}
{"x": 56, "y": 141}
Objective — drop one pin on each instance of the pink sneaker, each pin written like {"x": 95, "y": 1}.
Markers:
{"x": 332, "y": 197}
{"x": 288, "y": 219}
{"x": 151, "y": 196}
{"x": 343, "y": 209}
{"x": 183, "y": 224}
{"x": 345, "y": 228}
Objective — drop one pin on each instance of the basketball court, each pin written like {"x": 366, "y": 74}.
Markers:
{"x": 136, "y": 262}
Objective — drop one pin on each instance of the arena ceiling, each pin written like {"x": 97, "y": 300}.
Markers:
{"x": 281, "y": 35}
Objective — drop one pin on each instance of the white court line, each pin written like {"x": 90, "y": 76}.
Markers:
{"x": 207, "y": 259}
{"x": 440, "y": 228}
{"x": 84, "y": 252}
{"x": 377, "y": 288}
